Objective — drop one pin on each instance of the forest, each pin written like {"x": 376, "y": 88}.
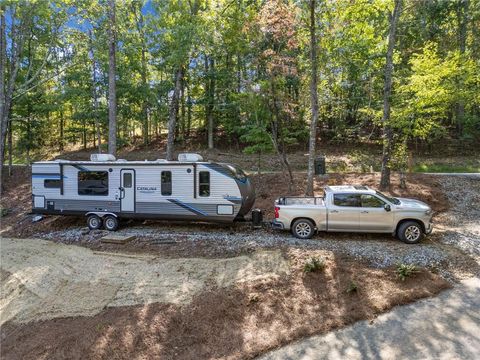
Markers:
{"x": 264, "y": 76}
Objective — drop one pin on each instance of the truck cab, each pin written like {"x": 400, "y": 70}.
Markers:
{"x": 353, "y": 208}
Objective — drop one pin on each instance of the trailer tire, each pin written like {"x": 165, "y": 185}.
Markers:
{"x": 94, "y": 222}
{"x": 110, "y": 223}
{"x": 303, "y": 229}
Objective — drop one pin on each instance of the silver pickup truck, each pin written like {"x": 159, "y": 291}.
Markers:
{"x": 354, "y": 209}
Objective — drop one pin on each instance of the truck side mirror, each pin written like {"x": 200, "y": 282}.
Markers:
{"x": 387, "y": 207}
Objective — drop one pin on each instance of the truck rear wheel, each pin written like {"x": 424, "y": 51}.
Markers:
{"x": 303, "y": 229}
{"x": 94, "y": 222}
{"x": 410, "y": 232}
{"x": 110, "y": 223}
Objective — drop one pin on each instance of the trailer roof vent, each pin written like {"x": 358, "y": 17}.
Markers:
{"x": 102, "y": 157}
{"x": 189, "y": 157}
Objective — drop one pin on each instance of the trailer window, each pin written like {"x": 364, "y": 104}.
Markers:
{"x": 204, "y": 183}
{"x": 127, "y": 180}
{"x": 93, "y": 183}
{"x": 166, "y": 183}
{"x": 51, "y": 184}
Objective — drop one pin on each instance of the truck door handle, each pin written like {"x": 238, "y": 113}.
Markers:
{"x": 364, "y": 212}
{"x": 334, "y": 211}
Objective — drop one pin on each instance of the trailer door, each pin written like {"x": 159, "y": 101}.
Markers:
{"x": 127, "y": 190}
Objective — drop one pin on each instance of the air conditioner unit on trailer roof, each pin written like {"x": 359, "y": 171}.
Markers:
{"x": 189, "y": 157}
{"x": 102, "y": 157}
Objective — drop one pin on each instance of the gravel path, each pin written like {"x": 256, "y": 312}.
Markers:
{"x": 407, "y": 332}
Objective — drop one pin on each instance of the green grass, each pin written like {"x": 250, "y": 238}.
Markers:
{"x": 447, "y": 168}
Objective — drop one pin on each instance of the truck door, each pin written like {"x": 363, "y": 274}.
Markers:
{"x": 344, "y": 212}
{"x": 127, "y": 190}
{"x": 373, "y": 216}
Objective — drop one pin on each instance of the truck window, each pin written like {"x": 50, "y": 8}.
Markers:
{"x": 51, "y": 184}
{"x": 93, "y": 183}
{"x": 166, "y": 183}
{"x": 371, "y": 201}
{"x": 350, "y": 200}
{"x": 204, "y": 183}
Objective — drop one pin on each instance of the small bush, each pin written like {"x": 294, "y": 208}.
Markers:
{"x": 406, "y": 270}
{"x": 4, "y": 211}
{"x": 352, "y": 287}
{"x": 313, "y": 265}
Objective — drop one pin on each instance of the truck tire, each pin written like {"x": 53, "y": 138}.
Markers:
{"x": 110, "y": 222}
{"x": 303, "y": 229}
{"x": 94, "y": 222}
{"x": 410, "y": 232}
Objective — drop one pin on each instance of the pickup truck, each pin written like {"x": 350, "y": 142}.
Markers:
{"x": 353, "y": 208}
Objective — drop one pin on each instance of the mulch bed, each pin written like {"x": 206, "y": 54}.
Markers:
{"x": 235, "y": 323}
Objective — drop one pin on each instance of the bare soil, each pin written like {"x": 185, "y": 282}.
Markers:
{"x": 237, "y": 322}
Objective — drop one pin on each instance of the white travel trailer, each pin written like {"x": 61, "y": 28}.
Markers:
{"x": 105, "y": 189}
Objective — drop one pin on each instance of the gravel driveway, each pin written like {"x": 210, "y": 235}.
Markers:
{"x": 452, "y": 250}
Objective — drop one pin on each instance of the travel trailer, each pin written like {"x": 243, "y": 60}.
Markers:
{"x": 105, "y": 189}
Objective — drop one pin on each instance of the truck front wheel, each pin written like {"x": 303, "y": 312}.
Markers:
{"x": 303, "y": 229}
{"x": 410, "y": 232}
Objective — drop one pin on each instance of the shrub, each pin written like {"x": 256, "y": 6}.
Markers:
{"x": 4, "y": 211}
{"x": 406, "y": 270}
{"x": 313, "y": 265}
{"x": 352, "y": 287}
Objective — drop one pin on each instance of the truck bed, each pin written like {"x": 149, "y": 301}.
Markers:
{"x": 301, "y": 200}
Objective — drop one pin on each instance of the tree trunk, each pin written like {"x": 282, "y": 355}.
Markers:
{"x": 7, "y": 88}
{"x": 462, "y": 16}
{"x": 210, "y": 92}
{"x": 387, "y": 129}
{"x": 61, "y": 142}
{"x": 94, "y": 95}
{"x": 173, "y": 111}
{"x": 314, "y": 100}
{"x": 189, "y": 110}
{"x": 280, "y": 148}
{"x": 112, "y": 96}
{"x": 182, "y": 110}
{"x": 2, "y": 87}
{"x": 10, "y": 147}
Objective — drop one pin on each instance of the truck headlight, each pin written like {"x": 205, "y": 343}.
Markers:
{"x": 428, "y": 212}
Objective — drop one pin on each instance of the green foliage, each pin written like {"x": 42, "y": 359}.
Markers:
{"x": 314, "y": 265}
{"x": 4, "y": 211}
{"x": 406, "y": 270}
{"x": 261, "y": 73}
{"x": 352, "y": 287}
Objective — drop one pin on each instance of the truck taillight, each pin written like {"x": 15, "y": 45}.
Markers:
{"x": 277, "y": 209}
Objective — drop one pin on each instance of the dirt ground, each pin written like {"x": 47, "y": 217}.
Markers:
{"x": 198, "y": 291}
{"x": 230, "y": 309}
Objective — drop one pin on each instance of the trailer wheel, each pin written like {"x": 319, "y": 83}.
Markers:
{"x": 303, "y": 229}
{"x": 110, "y": 223}
{"x": 94, "y": 222}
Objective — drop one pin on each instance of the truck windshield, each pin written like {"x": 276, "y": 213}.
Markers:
{"x": 388, "y": 198}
